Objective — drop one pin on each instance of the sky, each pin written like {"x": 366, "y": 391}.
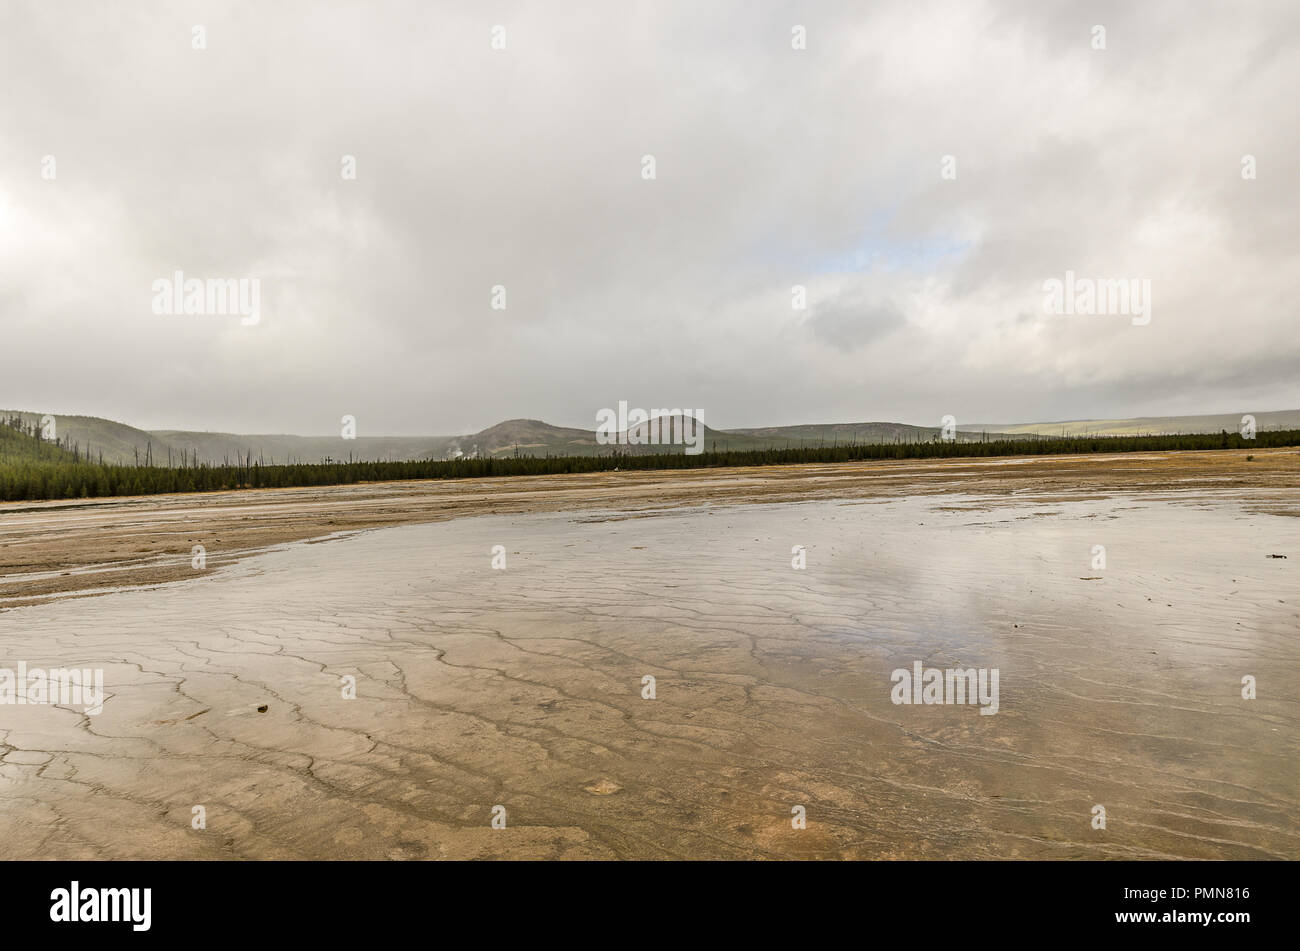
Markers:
{"x": 524, "y": 167}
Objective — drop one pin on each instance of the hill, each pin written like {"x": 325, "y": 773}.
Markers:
{"x": 1154, "y": 425}
{"x": 124, "y": 445}
{"x": 217, "y": 448}
{"x": 839, "y": 433}
{"x": 92, "y": 436}
{"x": 531, "y": 436}
{"x": 20, "y": 442}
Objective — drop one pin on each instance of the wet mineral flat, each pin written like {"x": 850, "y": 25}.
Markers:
{"x": 229, "y": 729}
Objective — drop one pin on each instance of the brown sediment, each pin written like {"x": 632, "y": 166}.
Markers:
{"x": 75, "y": 548}
{"x": 524, "y": 688}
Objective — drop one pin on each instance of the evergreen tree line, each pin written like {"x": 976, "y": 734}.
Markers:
{"x": 26, "y": 476}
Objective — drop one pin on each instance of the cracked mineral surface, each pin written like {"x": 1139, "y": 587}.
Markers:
{"x": 522, "y": 687}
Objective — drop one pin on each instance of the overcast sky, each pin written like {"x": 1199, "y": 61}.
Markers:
{"x": 523, "y": 167}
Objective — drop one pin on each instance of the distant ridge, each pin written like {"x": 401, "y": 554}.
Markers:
{"x": 1153, "y": 425}
{"x": 282, "y": 448}
{"x": 125, "y": 444}
{"x": 117, "y": 442}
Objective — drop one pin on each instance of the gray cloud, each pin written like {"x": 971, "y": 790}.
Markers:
{"x": 851, "y": 325}
{"x": 522, "y": 167}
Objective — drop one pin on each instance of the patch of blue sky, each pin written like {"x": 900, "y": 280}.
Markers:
{"x": 872, "y": 250}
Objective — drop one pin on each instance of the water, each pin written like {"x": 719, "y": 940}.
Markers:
{"x": 522, "y": 688}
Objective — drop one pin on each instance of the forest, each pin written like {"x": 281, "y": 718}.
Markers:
{"x": 32, "y": 468}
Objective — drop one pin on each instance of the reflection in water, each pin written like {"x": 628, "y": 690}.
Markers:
{"x": 523, "y": 688}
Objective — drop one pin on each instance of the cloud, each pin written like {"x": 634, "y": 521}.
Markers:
{"x": 521, "y": 167}
{"x": 849, "y": 325}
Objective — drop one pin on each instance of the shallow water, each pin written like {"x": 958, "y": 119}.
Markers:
{"x": 522, "y": 688}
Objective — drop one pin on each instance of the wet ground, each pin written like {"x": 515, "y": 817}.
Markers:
{"x": 77, "y": 547}
{"x": 524, "y": 687}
